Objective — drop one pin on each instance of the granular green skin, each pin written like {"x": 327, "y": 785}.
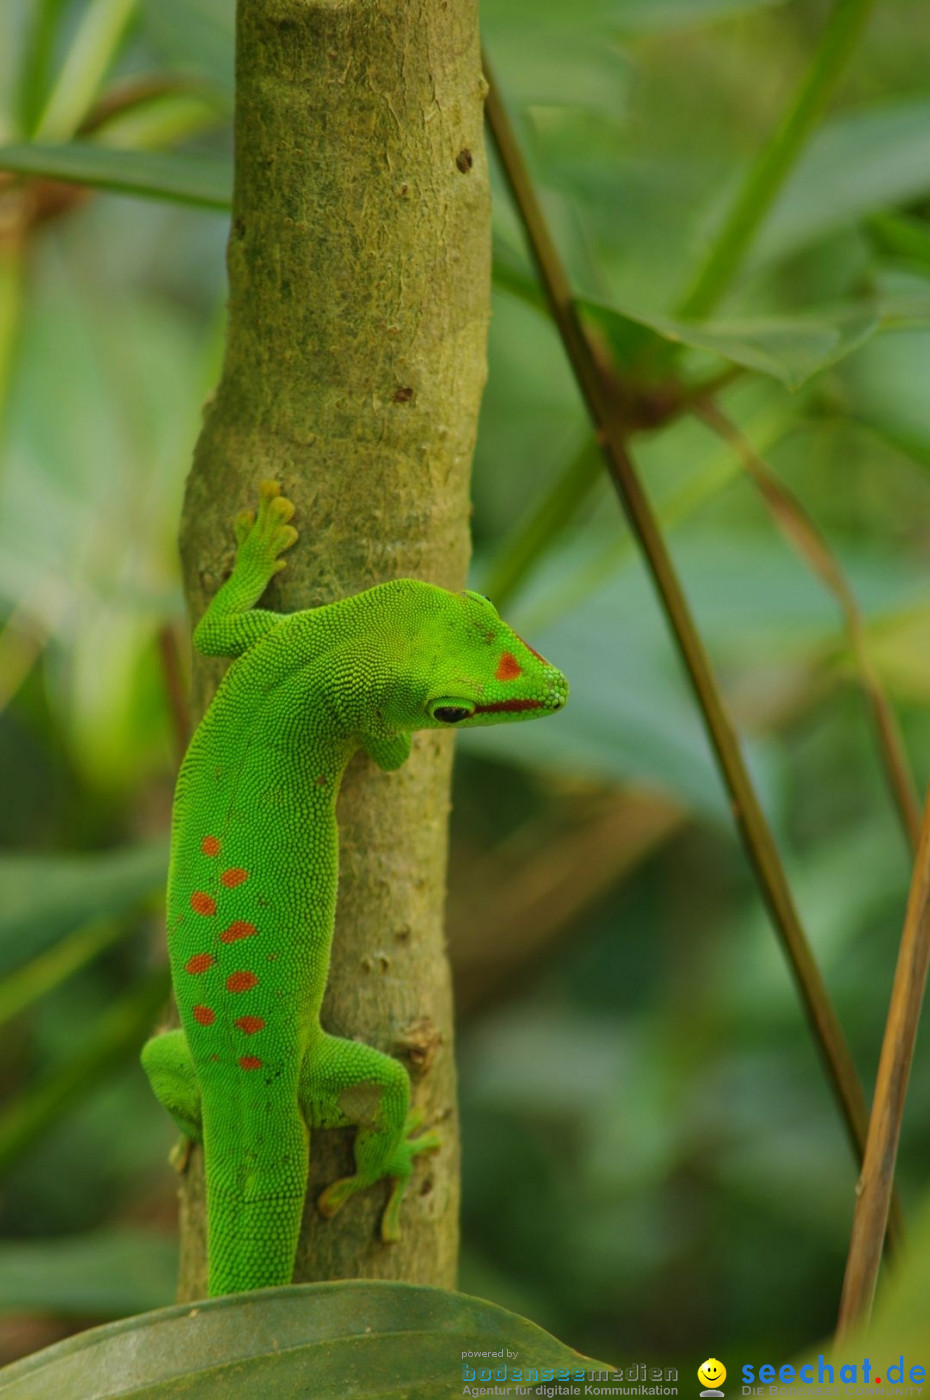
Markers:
{"x": 253, "y": 879}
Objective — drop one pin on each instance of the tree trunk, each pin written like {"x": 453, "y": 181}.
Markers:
{"x": 359, "y": 276}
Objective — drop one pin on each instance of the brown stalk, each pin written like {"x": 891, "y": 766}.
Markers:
{"x": 804, "y": 535}
{"x": 874, "y": 1191}
{"x": 611, "y": 433}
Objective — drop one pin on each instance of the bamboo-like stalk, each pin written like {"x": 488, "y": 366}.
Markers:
{"x": 611, "y": 433}
{"x": 876, "y": 1182}
{"x": 772, "y": 165}
{"x": 791, "y": 517}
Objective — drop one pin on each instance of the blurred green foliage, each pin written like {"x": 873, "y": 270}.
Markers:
{"x": 653, "y": 1164}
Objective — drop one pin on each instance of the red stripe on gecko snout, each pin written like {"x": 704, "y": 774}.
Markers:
{"x": 508, "y": 707}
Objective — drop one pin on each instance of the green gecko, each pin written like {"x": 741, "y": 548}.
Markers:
{"x": 253, "y": 875}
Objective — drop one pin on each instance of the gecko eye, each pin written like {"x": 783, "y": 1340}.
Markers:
{"x": 450, "y": 711}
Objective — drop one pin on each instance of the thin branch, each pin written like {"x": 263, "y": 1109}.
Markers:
{"x": 894, "y": 1067}
{"x": 759, "y": 843}
{"x": 791, "y": 517}
{"x": 772, "y": 166}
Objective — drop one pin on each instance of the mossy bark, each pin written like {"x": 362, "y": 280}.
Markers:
{"x": 359, "y": 273}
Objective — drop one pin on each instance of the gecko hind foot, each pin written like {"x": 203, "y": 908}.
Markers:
{"x": 400, "y": 1179}
{"x": 398, "y": 1169}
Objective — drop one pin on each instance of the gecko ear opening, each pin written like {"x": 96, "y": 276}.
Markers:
{"x": 449, "y": 711}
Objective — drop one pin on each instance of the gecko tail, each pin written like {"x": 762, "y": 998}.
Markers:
{"x": 258, "y": 1250}
{"x": 255, "y": 1214}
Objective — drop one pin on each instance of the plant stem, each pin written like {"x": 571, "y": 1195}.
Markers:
{"x": 757, "y": 837}
{"x": 771, "y": 167}
{"x": 894, "y": 1067}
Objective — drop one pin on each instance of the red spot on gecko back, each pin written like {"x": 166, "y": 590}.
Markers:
{"x": 233, "y": 877}
{"x": 199, "y": 963}
{"x": 241, "y": 981}
{"x": 508, "y": 667}
{"x": 204, "y": 1016}
{"x": 250, "y": 1062}
{"x": 250, "y": 1024}
{"x": 203, "y": 903}
{"x": 237, "y": 930}
{"x": 210, "y": 846}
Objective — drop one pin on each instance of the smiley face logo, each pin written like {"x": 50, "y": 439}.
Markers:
{"x": 712, "y": 1374}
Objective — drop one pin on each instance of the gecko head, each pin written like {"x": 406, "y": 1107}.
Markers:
{"x": 467, "y": 668}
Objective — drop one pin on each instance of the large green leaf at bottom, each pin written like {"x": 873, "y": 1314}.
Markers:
{"x": 328, "y": 1341}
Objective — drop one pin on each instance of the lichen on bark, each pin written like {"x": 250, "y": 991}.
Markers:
{"x": 359, "y": 271}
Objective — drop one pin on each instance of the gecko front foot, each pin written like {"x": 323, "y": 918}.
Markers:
{"x": 263, "y": 537}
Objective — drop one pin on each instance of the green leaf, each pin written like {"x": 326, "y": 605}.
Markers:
{"x": 857, "y": 164}
{"x": 791, "y": 349}
{"x": 150, "y": 174}
{"x": 198, "y": 36}
{"x": 35, "y": 64}
{"x": 36, "y": 978}
{"x": 655, "y": 16}
{"x": 336, "y": 1341}
{"x": 44, "y": 897}
{"x": 116, "y": 1036}
{"x": 90, "y": 53}
{"x": 160, "y": 121}
{"x": 902, "y": 236}
{"x": 109, "y": 1273}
